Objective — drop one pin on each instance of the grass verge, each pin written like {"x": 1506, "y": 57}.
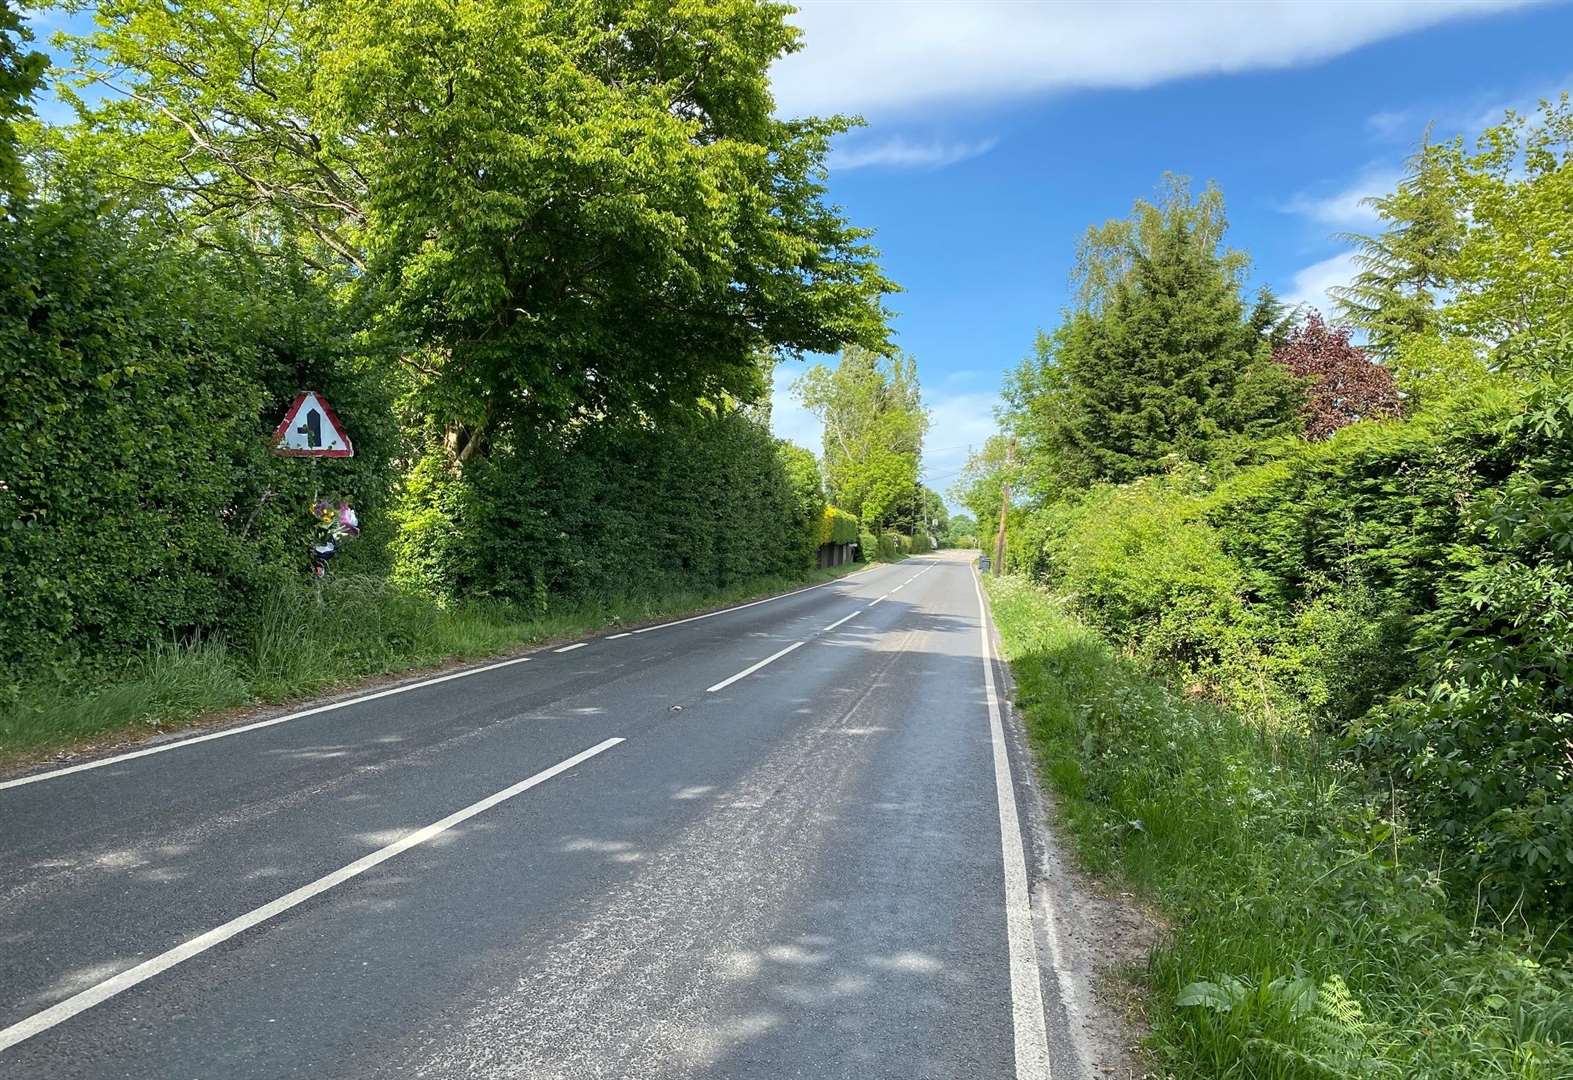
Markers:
{"x": 304, "y": 642}
{"x": 1312, "y": 936}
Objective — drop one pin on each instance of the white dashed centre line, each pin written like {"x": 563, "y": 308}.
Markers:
{"x": 772, "y": 658}
{"x": 42, "y": 1021}
{"x": 838, "y": 622}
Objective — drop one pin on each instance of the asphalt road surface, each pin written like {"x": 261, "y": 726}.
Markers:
{"x": 781, "y": 840}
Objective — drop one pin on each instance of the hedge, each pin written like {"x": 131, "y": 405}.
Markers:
{"x": 603, "y": 512}
{"x": 139, "y": 500}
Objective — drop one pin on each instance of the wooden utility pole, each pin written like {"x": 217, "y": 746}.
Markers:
{"x": 999, "y": 539}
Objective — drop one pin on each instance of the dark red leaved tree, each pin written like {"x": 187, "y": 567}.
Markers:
{"x": 1344, "y": 384}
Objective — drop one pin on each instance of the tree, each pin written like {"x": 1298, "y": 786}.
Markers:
{"x": 1341, "y": 383}
{"x": 21, "y": 72}
{"x": 565, "y": 210}
{"x": 1405, "y": 268}
{"x": 872, "y": 410}
{"x": 980, "y": 486}
{"x": 962, "y": 531}
{"x": 1511, "y": 273}
{"x": 1168, "y": 364}
{"x": 1108, "y": 253}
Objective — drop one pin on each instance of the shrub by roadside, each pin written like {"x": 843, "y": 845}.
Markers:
{"x": 1312, "y": 936}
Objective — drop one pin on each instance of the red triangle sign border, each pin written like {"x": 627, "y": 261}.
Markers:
{"x": 281, "y": 432}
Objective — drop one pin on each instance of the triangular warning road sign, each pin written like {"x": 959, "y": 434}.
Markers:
{"x": 311, "y": 430}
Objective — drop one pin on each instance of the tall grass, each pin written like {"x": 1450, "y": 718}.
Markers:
{"x": 305, "y": 640}
{"x": 1312, "y": 935}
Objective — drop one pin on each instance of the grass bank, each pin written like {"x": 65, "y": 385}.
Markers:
{"x": 1312, "y": 937}
{"x": 307, "y": 641}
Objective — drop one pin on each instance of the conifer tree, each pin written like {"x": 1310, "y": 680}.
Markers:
{"x": 1171, "y": 366}
{"x": 1404, "y": 268}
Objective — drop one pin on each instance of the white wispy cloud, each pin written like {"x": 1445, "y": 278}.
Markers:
{"x": 880, "y": 58}
{"x": 958, "y": 424}
{"x": 1467, "y": 117}
{"x": 899, "y": 152}
{"x": 1311, "y": 285}
{"x": 1345, "y": 208}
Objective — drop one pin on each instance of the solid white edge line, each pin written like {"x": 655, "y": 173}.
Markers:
{"x": 242, "y": 729}
{"x": 571, "y": 648}
{"x": 838, "y": 622}
{"x": 100, "y": 992}
{"x": 1026, "y": 992}
{"x": 772, "y": 658}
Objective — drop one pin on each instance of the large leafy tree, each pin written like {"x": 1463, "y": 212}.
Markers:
{"x": 874, "y": 420}
{"x": 21, "y": 71}
{"x": 1168, "y": 363}
{"x": 564, "y": 210}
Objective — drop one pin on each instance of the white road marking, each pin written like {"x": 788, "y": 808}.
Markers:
{"x": 1026, "y": 992}
{"x": 756, "y": 603}
{"x": 838, "y": 622}
{"x": 94, "y": 995}
{"x": 772, "y": 658}
{"x": 571, "y": 648}
{"x": 625, "y": 633}
{"x": 101, "y": 762}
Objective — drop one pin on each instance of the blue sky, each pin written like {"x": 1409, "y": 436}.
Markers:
{"x": 998, "y": 131}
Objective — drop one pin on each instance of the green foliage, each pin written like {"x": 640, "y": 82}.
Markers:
{"x": 1407, "y": 581}
{"x": 960, "y": 531}
{"x": 1474, "y": 246}
{"x": 563, "y": 210}
{"x": 1405, "y": 268}
{"x": 1168, "y": 365}
{"x": 565, "y": 521}
{"x": 143, "y": 378}
{"x": 21, "y": 73}
{"x": 809, "y": 510}
{"x": 872, "y": 410}
{"x": 1311, "y": 938}
{"x": 837, "y": 527}
{"x": 1483, "y": 740}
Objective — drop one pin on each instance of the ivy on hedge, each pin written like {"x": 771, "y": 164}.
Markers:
{"x": 836, "y": 526}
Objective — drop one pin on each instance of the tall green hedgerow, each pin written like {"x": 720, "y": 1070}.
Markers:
{"x": 139, "y": 500}
{"x": 836, "y": 526}
{"x": 602, "y": 512}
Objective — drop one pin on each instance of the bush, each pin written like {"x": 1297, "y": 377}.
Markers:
{"x": 140, "y": 501}
{"x": 1484, "y": 738}
{"x": 1410, "y": 583}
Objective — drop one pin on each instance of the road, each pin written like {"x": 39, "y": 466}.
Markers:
{"x": 781, "y": 840}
